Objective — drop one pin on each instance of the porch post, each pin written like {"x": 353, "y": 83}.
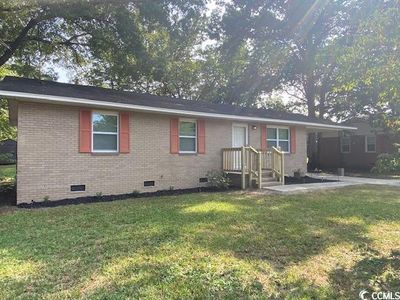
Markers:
{"x": 260, "y": 169}
{"x": 243, "y": 168}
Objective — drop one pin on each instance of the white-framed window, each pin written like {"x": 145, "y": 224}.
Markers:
{"x": 278, "y": 137}
{"x": 345, "y": 145}
{"x": 370, "y": 144}
{"x": 187, "y": 136}
{"x": 105, "y": 132}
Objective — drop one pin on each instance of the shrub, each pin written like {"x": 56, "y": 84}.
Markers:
{"x": 218, "y": 179}
{"x": 387, "y": 164}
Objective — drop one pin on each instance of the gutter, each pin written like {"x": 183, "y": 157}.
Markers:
{"x": 40, "y": 98}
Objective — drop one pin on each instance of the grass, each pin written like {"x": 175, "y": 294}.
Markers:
{"x": 328, "y": 245}
{"x": 7, "y": 173}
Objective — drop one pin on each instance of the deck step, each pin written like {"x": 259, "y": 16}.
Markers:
{"x": 269, "y": 174}
{"x": 268, "y": 179}
{"x": 270, "y": 183}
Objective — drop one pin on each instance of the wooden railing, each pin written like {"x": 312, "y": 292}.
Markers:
{"x": 250, "y": 161}
{"x": 232, "y": 159}
{"x": 266, "y": 157}
{"x": 278, "y": 164}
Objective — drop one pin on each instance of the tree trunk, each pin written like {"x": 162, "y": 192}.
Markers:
{"x": 17, "y": 42}
{"x": 312, "y": 146}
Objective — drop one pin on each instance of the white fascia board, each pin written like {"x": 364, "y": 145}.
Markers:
{"x": 149, "y": 109}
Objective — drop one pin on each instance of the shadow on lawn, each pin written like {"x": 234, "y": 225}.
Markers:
{"x": 74, "y": 244}
{"x": 372, "y": 273}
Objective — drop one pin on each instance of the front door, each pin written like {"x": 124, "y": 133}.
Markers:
{"x": 239, "y": 135}
{"x": 239, "y": 139}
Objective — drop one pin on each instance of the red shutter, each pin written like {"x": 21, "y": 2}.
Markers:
{"x": 85, "y": 131}
{"x": 293, "y": 140}
{"x": 201, "y": 137}
{"x": 124, "y": 135}
{"x": 174, "y": 136}
{"x": 263, "y": 137}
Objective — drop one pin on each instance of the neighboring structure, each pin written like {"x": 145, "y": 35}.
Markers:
{"x": 354, "y": 149}
{"x": 77, "y": 140}
{"x": 8, "y": 152}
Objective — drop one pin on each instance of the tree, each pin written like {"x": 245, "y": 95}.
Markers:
{"x": 291, "y": 45}
{"x": 35, "y": 34}
{"x": 370, "y": 69}
{"x": 6, "y": 131}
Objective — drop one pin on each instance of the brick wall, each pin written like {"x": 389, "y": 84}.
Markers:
{"x": 49, "y": 160}
{"x": 330, "y": 155}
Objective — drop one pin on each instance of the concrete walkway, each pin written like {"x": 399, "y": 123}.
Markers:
{"x": 308, "y": 187}
{"x": 360, "y": 180}
{"x": 343, "y": 182}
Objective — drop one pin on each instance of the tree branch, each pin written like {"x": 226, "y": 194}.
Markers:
{"x": 12, "y": 47}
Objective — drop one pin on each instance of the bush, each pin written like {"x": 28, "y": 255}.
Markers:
{"x": 387, "y": 164}
{"x": 218, "y": 179}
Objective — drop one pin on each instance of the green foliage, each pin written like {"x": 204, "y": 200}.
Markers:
{"x": 120, "y": 44}
{"x": 218, "y": 179}
{"x": 387, "y": 164}
{"x": 6, "y": 131}
{"x": 7, "y": 172}
{"x": 370, "y": 68}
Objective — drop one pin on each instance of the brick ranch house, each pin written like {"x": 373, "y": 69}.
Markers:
{"x": 357, "y": 149}
{"x": 78, "y": 141}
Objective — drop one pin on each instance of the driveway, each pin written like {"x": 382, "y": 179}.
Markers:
{"x": 360, "y": 180}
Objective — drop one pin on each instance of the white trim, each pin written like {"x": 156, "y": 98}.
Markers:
{"x": 366, "y": 143}
{"x": 105, "y": 133}
{"x": 278, "y": 139}
{"x": 104, "y": 104}
{"x": 187, "y": 136}
{"x": 246, "y": 126}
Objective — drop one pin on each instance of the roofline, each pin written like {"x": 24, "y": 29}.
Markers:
{"x": 88, "y": 102}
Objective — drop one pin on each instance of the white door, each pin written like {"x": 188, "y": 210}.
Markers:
{"x": 239, "y": 135}
{"x": 239, "y": 139}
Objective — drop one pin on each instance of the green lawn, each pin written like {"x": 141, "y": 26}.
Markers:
{"x": 206, "y": 246}
{"x": 7, "y": 172}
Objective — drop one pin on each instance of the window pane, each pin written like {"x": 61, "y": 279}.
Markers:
{"x": 187, "y": 128}
{"x": 271, "y": 144}
{"x": 345, "y": 148}
{"x": 104, "y": 142}
{"x": 283, "y": 134}
{"x": 284, "y": 146}
{"x": 371, "y": 140}
{"x": 271, "y": 133}
{"x": 105, "y": 123}
{"x": 187, "y": 144}
{"x": 371, "y": 147}
{"x": 345, "y": 141}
